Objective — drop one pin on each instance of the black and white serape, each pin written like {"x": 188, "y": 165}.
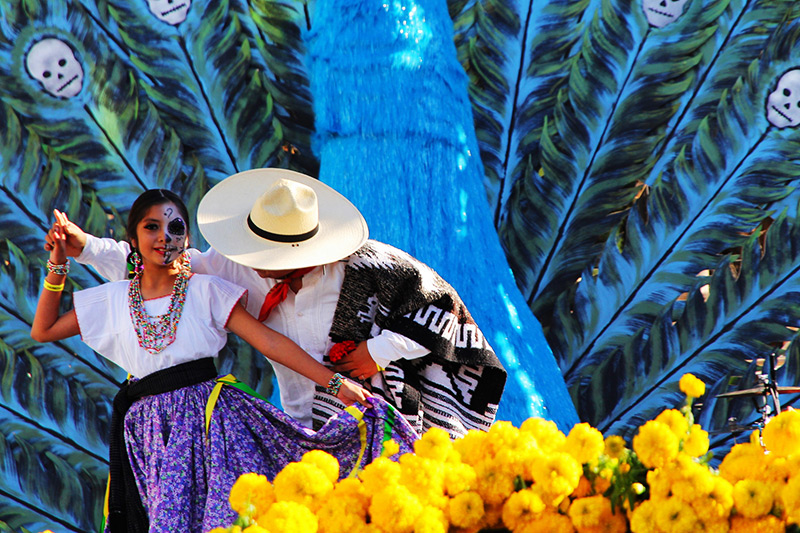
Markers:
{"x": 457, "y": 387}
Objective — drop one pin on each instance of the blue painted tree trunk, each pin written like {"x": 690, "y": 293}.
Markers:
{"x": 395, "y": 134}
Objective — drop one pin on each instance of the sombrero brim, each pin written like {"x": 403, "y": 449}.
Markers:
{"x": 222, "y": 219}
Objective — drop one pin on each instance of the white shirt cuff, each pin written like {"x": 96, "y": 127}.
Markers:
{"x": 390, "y": 346}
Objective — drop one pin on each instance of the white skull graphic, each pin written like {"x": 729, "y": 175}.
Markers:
{"x": 659, "y": 13}
{"x": 51, "y": 62}
{"x": 783, "y": 104}
{"x": 173, "y": 12}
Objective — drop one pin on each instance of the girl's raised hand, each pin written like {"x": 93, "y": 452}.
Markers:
{"x": 57, "y": 239}
{"x": 75, "y": 236}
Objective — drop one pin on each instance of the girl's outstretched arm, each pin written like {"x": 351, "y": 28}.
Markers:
{"x": 283, "y": 350}
{"x": 47, "y": 324}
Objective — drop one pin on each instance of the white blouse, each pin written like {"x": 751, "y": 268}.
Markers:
{"x": 105, "y": 323}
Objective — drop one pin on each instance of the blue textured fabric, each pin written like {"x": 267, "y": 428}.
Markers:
{"x": 394, "y": 133}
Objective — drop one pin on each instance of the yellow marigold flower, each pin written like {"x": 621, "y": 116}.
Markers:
{"x": 425, "y": 477}
{"x": 502, "y": 436}
{"x": 610, "y": 522}
{"x": 325, "y": 462}
{"x": 551, "y": 522}
{"x": 781, "y": 435}
{"x": 546, "y": 432}
{"x": 380, "y": 473}
{"x": 742, "y": 461}
{"x": 675, "y": 420}
{"x": 715, "y": 526}
{"x": 692, "y": 480}
{"x": 765, "y": 524}
{"x": 515, "y": 459}
{"x": 459, "y": 477}
{"x": 492, "y": 516}
{"x": 777, "y": 471}
{"x": 643, "y": 518}
{"x": 584, "y": 443}
{"x": 587, "y": 512}
{"x": 466, "y": 510}
{"x": 251, "y": 495}
{"x": 594, "y": 515}
{"x": 674, "y": 515}
{"x": 790, "y": 495}
{"x": 614, "y": 446}
{"x": 507, "y": 461}
{"x": 351, "y": 491}
{"x": 289, "y": 516}
{"x": 521, "y": 508}
{"x": 338, "y": 516}
{"x": 660, "y": 481}
{"x": 557, "y": 475}
{"x": 752, "y": 498}
{"x": 715, "y": 504}
{"x": 302, "y": 483}
{"x": 494, "y": 484}
{"x": 655, "y": 444}
{"x": 473, "y": 447}
{"x": 255, "y": 528}
{"x": 432, "y": 520}
{"x": 390, "y": 448}
{"x": 396, "y": 509}
{"x": 696, "y": 443}
{"x": 691, "y": 386}
{"x": 434, "y": 444}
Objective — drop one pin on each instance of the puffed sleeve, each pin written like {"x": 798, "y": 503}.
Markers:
{"x": 107, "y": 256}
{"x": 97, "y": 318}
{"x": 222, "y": 297}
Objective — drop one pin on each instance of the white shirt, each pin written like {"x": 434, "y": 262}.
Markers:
{"x": 305, "y": 317}
{"x": 104, "y": 319}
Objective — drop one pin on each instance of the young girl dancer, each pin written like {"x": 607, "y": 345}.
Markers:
{"x": 171, "y": 463}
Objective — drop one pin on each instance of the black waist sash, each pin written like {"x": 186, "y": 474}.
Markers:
{"x": 126, "y": 514}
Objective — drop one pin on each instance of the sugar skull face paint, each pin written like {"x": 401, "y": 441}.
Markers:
{"x": 161, "y": 235}
{"x": 174, "y": 235}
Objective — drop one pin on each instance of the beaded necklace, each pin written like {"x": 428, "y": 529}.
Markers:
{"x": 156, "y": 333}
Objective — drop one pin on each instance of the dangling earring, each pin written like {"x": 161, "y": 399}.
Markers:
{"x": 186, "y": 261}
{"x": 135, "y": 266}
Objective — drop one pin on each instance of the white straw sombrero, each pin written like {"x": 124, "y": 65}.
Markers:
{"x": 277, "y": 219}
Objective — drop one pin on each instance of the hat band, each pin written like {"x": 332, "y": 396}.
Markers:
{"x": 280, "y": 237}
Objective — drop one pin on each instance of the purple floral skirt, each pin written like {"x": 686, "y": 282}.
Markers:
{"x": 185, "y": 475}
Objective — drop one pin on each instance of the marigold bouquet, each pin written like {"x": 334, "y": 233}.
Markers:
{"x": 536, "y": 479}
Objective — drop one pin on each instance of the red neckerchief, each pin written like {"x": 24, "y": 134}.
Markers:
{"x": 278, "y": 293}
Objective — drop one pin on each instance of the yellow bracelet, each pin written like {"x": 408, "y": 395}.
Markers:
{"x": 52, "y": 287}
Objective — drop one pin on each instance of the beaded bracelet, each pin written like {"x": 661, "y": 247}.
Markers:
{"x": 61, "y": 270}
{"x": 52, "y": 287}
{"x": 335, "y": 384}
